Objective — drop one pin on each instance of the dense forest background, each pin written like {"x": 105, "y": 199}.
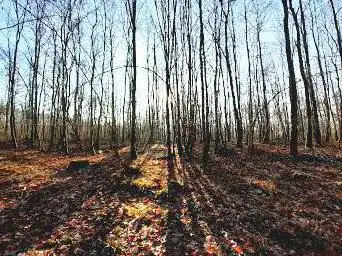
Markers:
{"x": 166, "y": 127}
{"x": 93, "y": 74}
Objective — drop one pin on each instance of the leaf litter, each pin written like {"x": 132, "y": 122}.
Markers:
{"x": 258, "y": 202}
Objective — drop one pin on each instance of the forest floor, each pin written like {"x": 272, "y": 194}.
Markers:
{"x": 258, "y": 202}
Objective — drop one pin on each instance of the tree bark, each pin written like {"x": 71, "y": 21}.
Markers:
{"x": 292, "y": 84}
{"x": 305, "y": 80}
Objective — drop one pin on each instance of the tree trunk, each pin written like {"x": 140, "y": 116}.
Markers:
{"x": 292, "y": 84}
{"x": 305, "y": 80}
{"x": 133, "y": 8}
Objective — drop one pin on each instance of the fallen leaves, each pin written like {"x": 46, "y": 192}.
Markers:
{"x": 7, "y": 203}
{"x": 45, "y": 211}
{"x": 185, "y": 220}
{"x": 142, "y": 228}
{"x": 154, "y": 173}
{"x": 38, "y": 253}
{"x": 211, "y": 247}
{"x": 267, "y": 185}
{"x": 144, "y": 209}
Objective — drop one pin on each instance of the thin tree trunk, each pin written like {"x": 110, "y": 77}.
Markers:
{"x": 133, "y": 11}
{"x": 305, "y": 80}
{"x": 292, "y": 84}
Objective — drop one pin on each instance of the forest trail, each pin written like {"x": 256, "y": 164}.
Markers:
{"x": 256, "y": 203}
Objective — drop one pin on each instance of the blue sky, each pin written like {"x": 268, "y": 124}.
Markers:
{"x": 271, "y": 37}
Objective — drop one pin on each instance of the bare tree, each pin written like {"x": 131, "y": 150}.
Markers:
{"x": 237, "y": 114}
{"x": 13, "y": 69}
{"x": 132, "y": 11}
{"x": 250, "y": 96}
{"x": 316, "y": 125}
{"x": 292, "y": 83}
{"x": 304, "y": 77}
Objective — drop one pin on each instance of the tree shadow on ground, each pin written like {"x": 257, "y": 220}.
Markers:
{"x": 175, "y": 228}
{"x": 202, "y": 202}
{"x": 72, "y": 197}
{"x": 251, "y": 213}
{"x": 183, "y": 233}
{"x": 74, "y": 214}
{"x": 303, "y": 157}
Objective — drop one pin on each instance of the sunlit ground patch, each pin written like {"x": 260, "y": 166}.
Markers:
{"x": 268, "y": 186}
{"x": 153, "y": 177}
{"x": 123, "y": 151}
{"x": 31, "y": 169}
{"x": 7, "y": 203}
{"x": 153, "y": 172}
{"x": 38, "y": 253}
{"x": 142, "y": 229}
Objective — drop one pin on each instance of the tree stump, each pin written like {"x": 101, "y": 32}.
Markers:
{"x": 131, "y": 172}
{"x": 77, "y": 165}
{"x": 175, "y": 189}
